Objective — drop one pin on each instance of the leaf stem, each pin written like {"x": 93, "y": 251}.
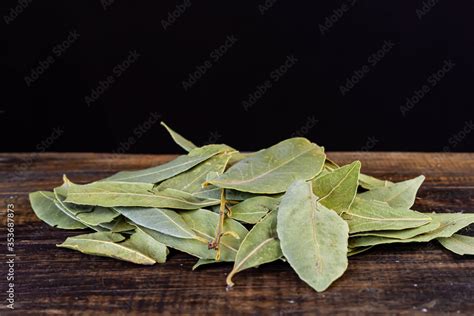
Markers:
{"x": 215, "y": 244}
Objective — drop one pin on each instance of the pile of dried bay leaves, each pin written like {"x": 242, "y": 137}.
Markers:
{"x": 287, "y": 202}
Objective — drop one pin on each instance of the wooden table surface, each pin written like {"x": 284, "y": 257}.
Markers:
{"x": 396, "y": 279}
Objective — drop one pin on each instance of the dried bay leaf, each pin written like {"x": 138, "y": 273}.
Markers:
{"x": 140, "y": 248}
{"x": 44, "y": 205}
{"x": 192, "y": 180}
{"x": 118, "y": 225}
{"x": 253, "y": 209}
{"x": 162, "y": 220}
{"x": 209, "y": 192}
{"x": 122, "y": 226}
{"x": 203, "y": 223}
{"x": 313, "y": 238}
{"x": 203, "y": 262}
{"x": 403, "y": 233}
{"x": 99, "y": 215}
{"x": 450, "y": 223}
{"x": 73, "y": 210}
{"x": 237, "y": 156}
{"x": 398, "y": 195}
{"x": 178, "y": 139}
{"x": 147, "y": 245}
{"x": 172, "y": 168}
{"x": 60, "y": 194}
{"x": 300, "y": 205}
{"x": 322, "y": 173}
{"x": 197, "y": 247}
{"x": 365, "y": 181}
{"x": 188, "y": 145}
{"x": 337, "y": 189}
{"x": 459, "y": 244}
{"x": 367, "y": 215}
{"x": 212, "y": 192}
{"x": 370, "y": 183}
{"x": 98, "y": 243}
{"x": 234, "y": 195}
{"x": 272, "y": 170}
{"x": 261, "y": 245}
{"x": 355, "y": 251}
{"x": 112, "y": 194}
{"x": 330, "y": 165}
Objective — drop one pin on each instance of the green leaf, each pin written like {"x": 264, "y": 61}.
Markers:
{"x": 202, "y": 262}
{"x": 252, "y": 210}
{"x": 60, "y": 194}
{"x": 450, "y": 223}
{"x": 170, "y": 169}
{"x": 330, "y": 165}
{"x": 44, "y": 205}
{"x": 272, "y": 170}
{"x": 212, "y": 192}
{"x": 398, "y": 195}
{"x": 140, "y": 248}
{"x": 189, "y": 146}
{"x": 204, "y": 223}
{"x": 462, "y": 245}
{"x": 367, "y": 215}
{"x": 162, "y": 220}
{"x": 370, "y": 183}
{"x": 355, "y": 251}
{"x": 197, "y": 246}
{"x": 234, "y": 195}
{"x": 260, "y": 246}
{"x": 72, "y": 210}
{"x": 209, "y": 192}
{"x": 312, "y": 237}
{"x": 178, "y": 139}
{"x": 111, "y": 194}
{"x": 192, "y": 180}
{"x": 63, "y": 188}
{"x": 238, "y": 156}
{"x": 403, "y": 233}
{"x": 99, "y": 215}
{"x": 337, "y": 189}
{"x": 118, "y": 225}
{"x": 148, "y": 245}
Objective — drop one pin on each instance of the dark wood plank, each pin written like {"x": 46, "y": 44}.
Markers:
{"x": 396, "y": 279}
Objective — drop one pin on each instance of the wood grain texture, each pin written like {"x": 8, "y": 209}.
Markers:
{"x": 395, "y": 279}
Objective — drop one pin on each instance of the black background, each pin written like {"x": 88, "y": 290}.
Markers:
{"x": 211, "y": 110}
